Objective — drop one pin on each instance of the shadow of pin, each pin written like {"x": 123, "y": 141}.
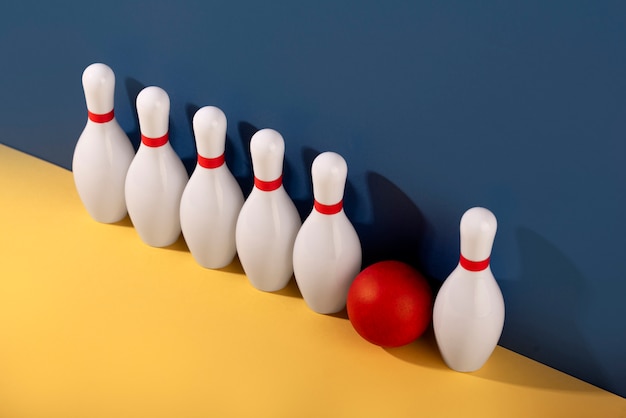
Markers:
{"x": 547, "y": 275}
{"x": 133, "y": 88}
{"x": 234, "y": 267}
{"x": 246, "y": 131}
{"x": 179, "y": 245}
{"x": 189, "y": 161}
{"x": 305, "y": 205}
{"x": 126, "y": 222}
{"x": 291, "y": 290}
{"x": 398, "y": 229}
{"x": 342, "y": 314}
{"x": 230, "y": 154}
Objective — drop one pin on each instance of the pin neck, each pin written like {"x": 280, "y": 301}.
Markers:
{"x": 268, "y": 186}
{"x": 101, "y": 117}
{"x": 155, "y": 142}
{"x": 328, "y": 209}
{"x": 210, "y": 162}
{"x": 474, "y": 265}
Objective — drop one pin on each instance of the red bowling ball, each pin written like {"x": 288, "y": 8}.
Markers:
{"x": 390, "y": 304}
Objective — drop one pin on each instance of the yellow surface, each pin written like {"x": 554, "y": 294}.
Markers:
{"x": 93, "y": 323}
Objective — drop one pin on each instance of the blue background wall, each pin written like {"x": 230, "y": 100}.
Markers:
{"x": 436, "y": 106}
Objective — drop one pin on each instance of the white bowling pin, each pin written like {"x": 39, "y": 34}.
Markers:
{"x": 327, "y": 252}
{"x": 468, "y": 314}
{"x": 103, "y": 151}
{"x": 212, "y": 198}
{"x": 269, "y": 221}
{"x": 157, "y": 177}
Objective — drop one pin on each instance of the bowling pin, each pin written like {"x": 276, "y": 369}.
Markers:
{"x": 103, "y": 151}
{"x": 468, "y": 314}
{"x": 212, "y": 198}
{"x": 327, "y": 252}
{"x": 269, "y": 221}
{"x": 156, "y": 177}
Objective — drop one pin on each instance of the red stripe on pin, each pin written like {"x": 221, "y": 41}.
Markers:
{"x": 328, "y": 209}
{"x": 474, "y": 265}
{"x": 101, "y": 117}
{"x": 210, "y": 162}
{"x": 268, "y": 186}
{"x": 155, "y": 142}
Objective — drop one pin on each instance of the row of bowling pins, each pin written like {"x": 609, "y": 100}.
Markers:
{"x": 324, "y": 253}
{"x": 152, "y": 186}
